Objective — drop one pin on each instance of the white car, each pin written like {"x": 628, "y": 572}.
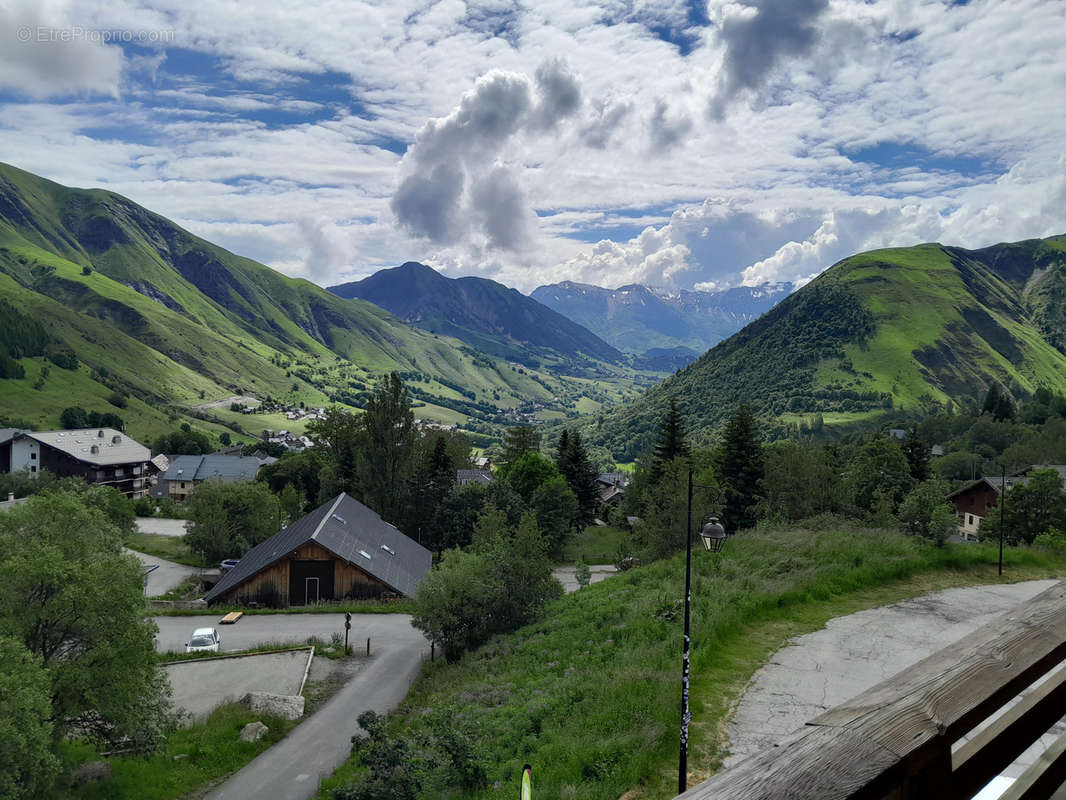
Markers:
{"x": 203, "y": 640}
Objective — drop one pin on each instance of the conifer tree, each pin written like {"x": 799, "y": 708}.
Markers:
{"x": 520, "y": 439}
{"x": 741, "y": 469}
{"x": 671, "y": 443}
{"x": 581, "y": 475}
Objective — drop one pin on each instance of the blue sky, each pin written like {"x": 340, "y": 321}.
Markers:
{"x": 678, "y": 144}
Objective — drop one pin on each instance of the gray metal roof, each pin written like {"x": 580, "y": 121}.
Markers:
{"x": 352, "y": 532}
{"x": 111, "y": 446}
{"x": 224, "y": 468}
{"x": 7, "y": 434}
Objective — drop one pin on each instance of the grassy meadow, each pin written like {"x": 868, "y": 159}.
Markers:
{"x": 589, "y": 696}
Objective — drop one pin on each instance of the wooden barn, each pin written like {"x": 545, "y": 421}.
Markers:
{"x": 341, "y": 550}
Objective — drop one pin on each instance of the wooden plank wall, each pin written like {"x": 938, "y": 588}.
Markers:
{"x": 273, "y": 582}
{"x": 895, "y": 739}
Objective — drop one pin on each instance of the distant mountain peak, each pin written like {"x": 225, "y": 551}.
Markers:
{"x": 481, "y": 312}
{"x": 639, "y": 318}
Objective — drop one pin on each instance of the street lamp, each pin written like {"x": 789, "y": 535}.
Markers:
{"x": 713, "y": 537}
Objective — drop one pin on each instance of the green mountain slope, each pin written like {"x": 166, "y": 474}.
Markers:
{"x": 887, "y": 329}
{"x": 172, "y": 321}
{"x": 483, "y": 313}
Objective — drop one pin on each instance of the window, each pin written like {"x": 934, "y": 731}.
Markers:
{"x": 33, "y": 456}
{"x": 183, "y": 484}
{"x": 33, "y": 469}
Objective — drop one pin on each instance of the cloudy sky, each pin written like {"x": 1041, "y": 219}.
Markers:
{"x": 677, "y": 144}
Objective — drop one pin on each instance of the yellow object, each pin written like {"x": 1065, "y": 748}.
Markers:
{"x": 527, "y": 784}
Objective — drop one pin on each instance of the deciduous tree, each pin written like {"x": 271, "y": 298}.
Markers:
{"x": 229, "y": 519}
{"x": 76, "y": 602}
{"x": 924, "y": 512}
{"x": 28, "y": 766}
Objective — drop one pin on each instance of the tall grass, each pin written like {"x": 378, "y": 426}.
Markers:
{"x": 589, "y": 696}
{"x": 192, "y": 757}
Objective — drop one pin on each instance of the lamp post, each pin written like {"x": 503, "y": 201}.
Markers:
{"x": 713, "y": 537}
{"x": 1002, "y": 507}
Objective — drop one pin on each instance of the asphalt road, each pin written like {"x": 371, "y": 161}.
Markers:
{"x": 815, "y": 672}
{"x": 597, "y": 572}
{"x": 293, "y": 768}
{"x": 165, "y": 576}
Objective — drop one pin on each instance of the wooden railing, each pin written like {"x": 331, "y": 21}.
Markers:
{"x": 896, "y": 739}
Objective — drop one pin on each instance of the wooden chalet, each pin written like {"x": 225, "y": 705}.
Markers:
{"x": 341, "y": 550}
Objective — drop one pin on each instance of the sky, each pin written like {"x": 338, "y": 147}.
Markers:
{"x": 679, "y": 144}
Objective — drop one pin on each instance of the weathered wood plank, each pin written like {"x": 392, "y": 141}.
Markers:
{"x": 823, "y": 763}
{"x": 894, "y": 740}
{"x": 993, "y": 749}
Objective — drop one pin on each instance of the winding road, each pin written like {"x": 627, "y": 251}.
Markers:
{"x": 293, "y": 768}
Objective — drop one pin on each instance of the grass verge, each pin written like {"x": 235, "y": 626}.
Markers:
{"x": 589, "y": 695}
{"x": 192, "y": 757}
{"x": 333, "y": 650}
{"x": 594, "y": 545}
{"x": 172, "y": 548}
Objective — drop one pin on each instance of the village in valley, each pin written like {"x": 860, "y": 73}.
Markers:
{"x": 528, "y": 401}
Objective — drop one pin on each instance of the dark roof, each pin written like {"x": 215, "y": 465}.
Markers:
{"x": 994, "y": 482}
{"x": 469, "y": 475}
{"x": 222, "y": 467}
{"x": 348, "y": 529}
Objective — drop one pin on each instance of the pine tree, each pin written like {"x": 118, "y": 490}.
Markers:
{"x": 671, "y": 442}
{"x": 520, "y": 439}
{"x": 427, "y": 489}
{"x": 918, "y": 454}
{"x": 992, "y": 399}
{"x": 581, "y": 476}
{"x": 1004, "y": 409}
{"x": 741, "y": 469}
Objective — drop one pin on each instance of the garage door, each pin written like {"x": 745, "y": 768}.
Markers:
{"x": 310, "y": 582}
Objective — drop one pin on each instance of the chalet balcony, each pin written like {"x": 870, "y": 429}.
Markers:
{"x": 939, "y": 730}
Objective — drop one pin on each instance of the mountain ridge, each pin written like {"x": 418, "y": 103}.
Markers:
{"x": 896, "y": 329}
{"x": 479, "y": 311}
{"x": 147, "y": 314}
{"x": 636, "y": 318}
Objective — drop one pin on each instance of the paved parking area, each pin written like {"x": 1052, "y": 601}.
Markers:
{"x": 160, "y": 526}
{"x": 201, "y": 686}
{"x": 815, "y": 672}
{"x": 383, "y": 630}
